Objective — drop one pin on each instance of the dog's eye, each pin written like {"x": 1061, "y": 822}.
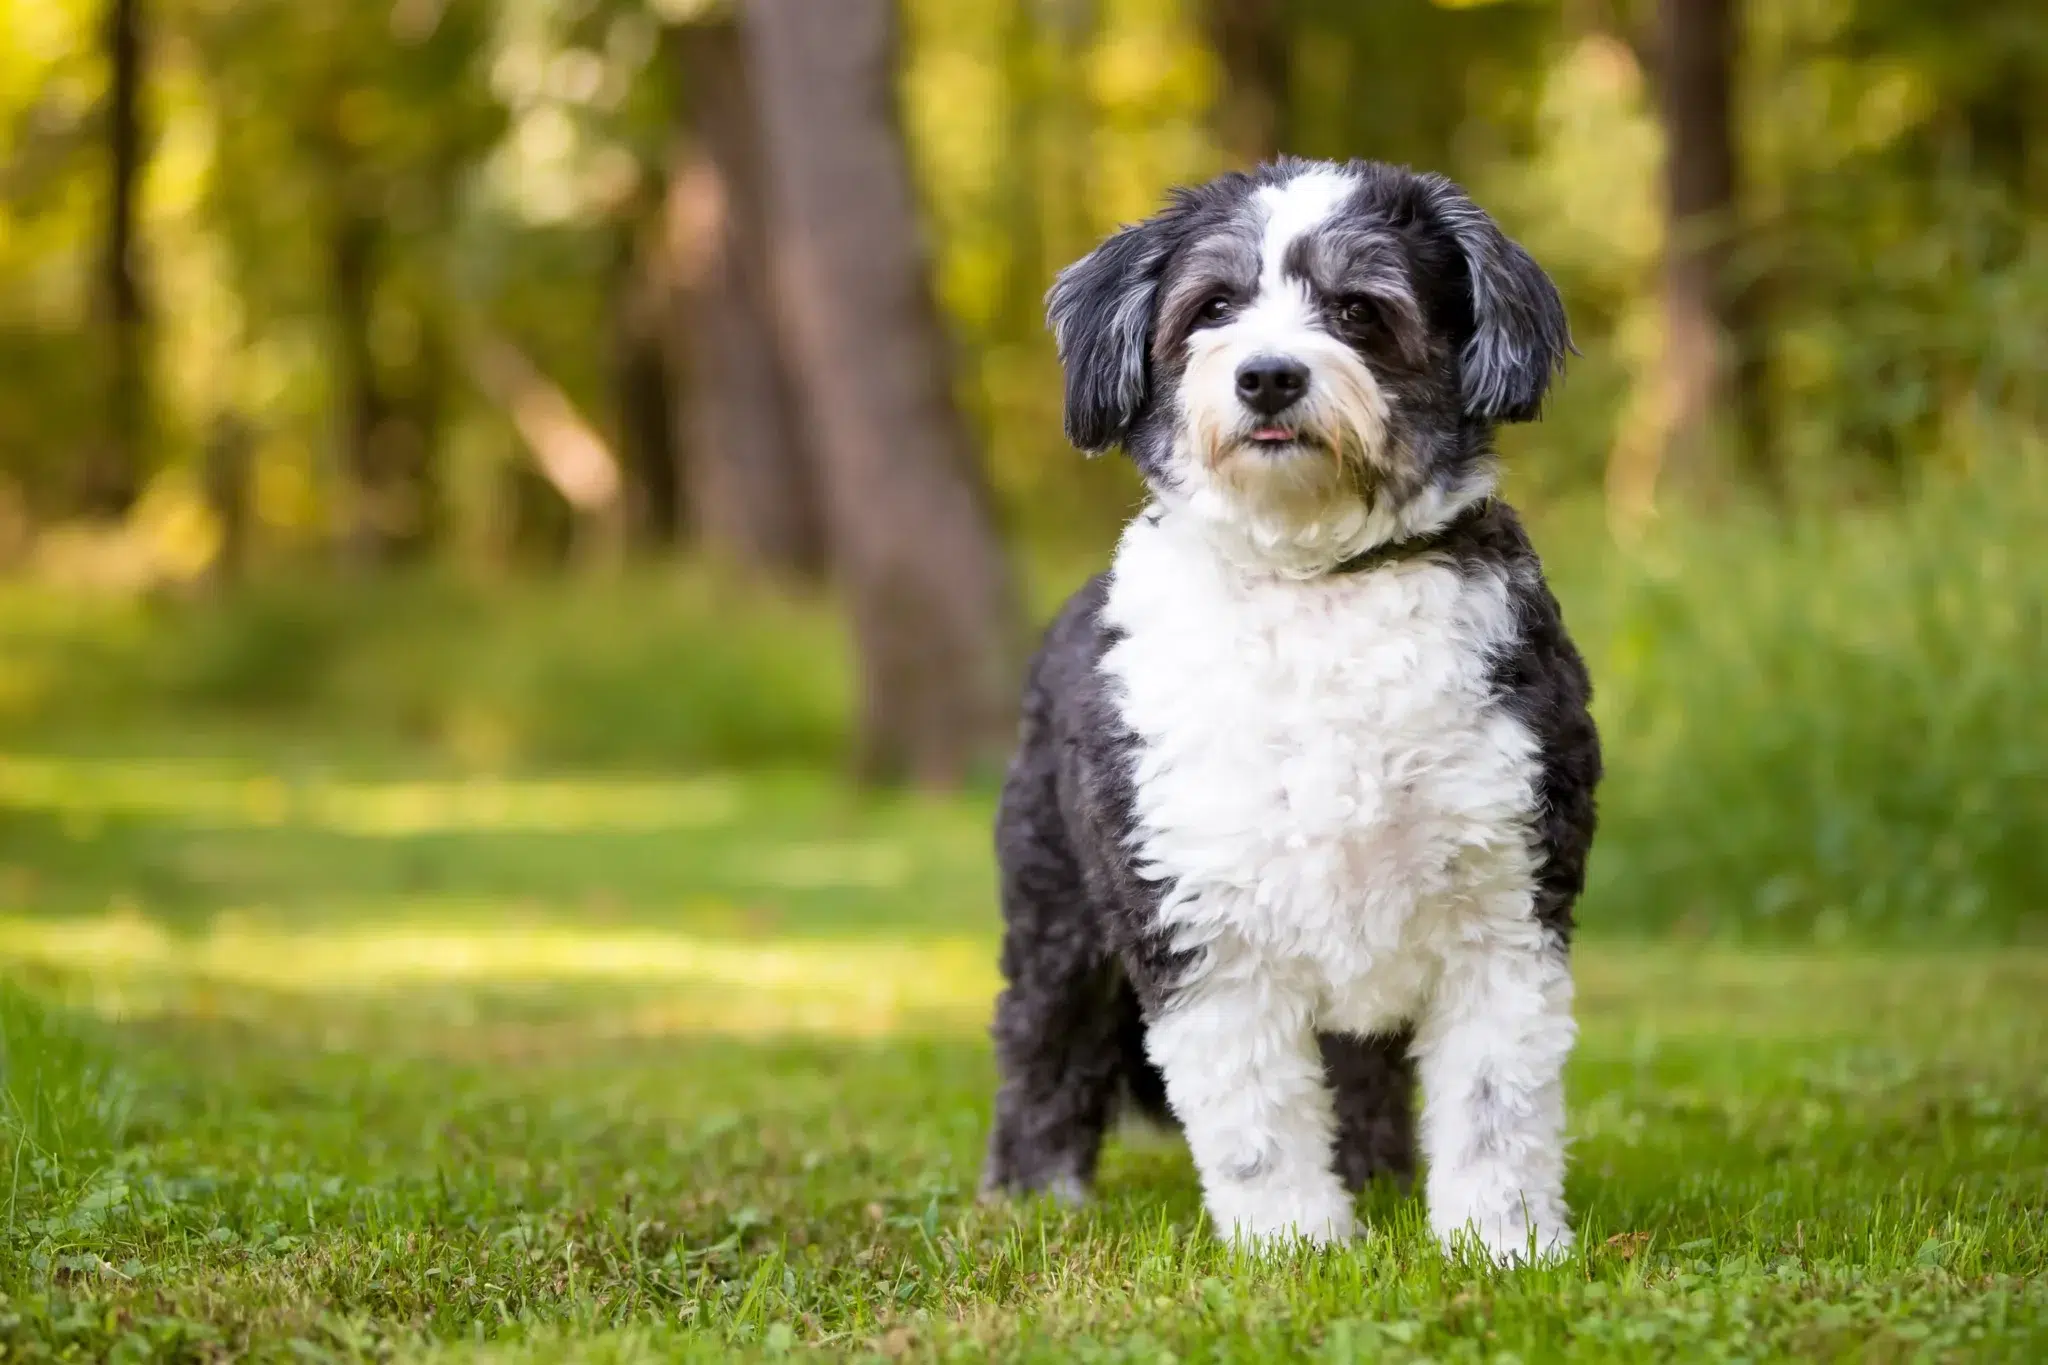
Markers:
{"x": 1215, "y": 308}
{"x": 1358, "y": 312}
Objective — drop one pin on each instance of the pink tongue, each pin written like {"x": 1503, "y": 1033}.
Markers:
{"x": 1273, "y": 434}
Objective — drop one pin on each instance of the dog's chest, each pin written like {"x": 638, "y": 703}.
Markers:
{"x": 1322, "y": 771}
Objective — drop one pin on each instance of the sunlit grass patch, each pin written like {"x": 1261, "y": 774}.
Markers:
{"x": 211, "y": 794}
{"x": 657, "y": 983}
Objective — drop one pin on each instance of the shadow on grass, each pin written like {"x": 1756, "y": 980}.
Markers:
{"x": 182, "y": 841}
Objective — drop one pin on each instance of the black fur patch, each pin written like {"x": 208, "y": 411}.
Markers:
{"x": 1543, "y": 681}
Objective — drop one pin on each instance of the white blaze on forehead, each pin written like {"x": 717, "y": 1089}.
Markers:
{"x": 1297, "y": 515}
{"x": 1293, "y": 209}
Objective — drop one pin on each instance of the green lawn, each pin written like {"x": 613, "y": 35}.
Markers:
{"x": 312, "y": 1061}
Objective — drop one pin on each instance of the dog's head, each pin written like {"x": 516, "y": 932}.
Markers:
{"x": 1311, "y": 356}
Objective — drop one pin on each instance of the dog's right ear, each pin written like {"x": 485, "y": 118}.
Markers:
{"x": 1101, "y": 309}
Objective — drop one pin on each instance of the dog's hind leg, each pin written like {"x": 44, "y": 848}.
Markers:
{"x": 1060, "y": 1064}
{"x": 1059, "y": 1023}
{"x": 1374, "y": 1081}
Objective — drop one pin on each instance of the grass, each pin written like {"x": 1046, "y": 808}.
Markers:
{"x": 319, "y": 1059}
{"x": 665, "y": 669}
{"x": 1833, "y": 730}
{"x": 1836, "y": 729}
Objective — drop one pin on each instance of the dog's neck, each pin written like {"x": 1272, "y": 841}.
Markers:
{"x": 1411, "y": 546}
{"x": 1352, "y": 538}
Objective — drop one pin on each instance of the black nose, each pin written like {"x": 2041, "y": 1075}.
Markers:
{"x": 1269, "y": 383}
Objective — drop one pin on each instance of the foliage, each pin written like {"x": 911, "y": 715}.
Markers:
{"x": 1892, "y": 226}
{"x": 48, "y": 88}
{"x": 1837, "y": 726}
{"x": 1902, "y": 227}
{"x": 1812, "y": 728}
{"x": 677, "y": 671}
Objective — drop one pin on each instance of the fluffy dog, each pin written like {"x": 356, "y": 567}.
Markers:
{"x": 1304, "y": 788}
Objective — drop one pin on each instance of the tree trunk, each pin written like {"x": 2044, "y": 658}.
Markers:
{"x": 230, "y": 448}
{"x": 1709, "y": 381}
{"x": 409, "y": 444}
{"x": 112, "y": 473}
{"x": 360, "y": 407}
{"x": 647, "y": 410}
{"x": 569, "y": 455}
{"x": 387, "y": 425}
{"x": 908, "y": 520}
{"x": 752, "y": 485}
{"x": 1249, "y": 38}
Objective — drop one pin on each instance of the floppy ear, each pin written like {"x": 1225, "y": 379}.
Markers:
{"x": 1520, "y": 336}
{"x": 1101, "y": 309}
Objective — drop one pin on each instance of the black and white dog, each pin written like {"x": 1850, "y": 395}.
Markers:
{"x": 1304, "y": 790}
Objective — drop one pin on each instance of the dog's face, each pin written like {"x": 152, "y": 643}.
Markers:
{"x": 1313, "y": 355}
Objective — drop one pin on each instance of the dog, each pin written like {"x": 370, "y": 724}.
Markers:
{"x": 1304, "y": 788}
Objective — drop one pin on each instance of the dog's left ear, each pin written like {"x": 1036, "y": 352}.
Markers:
{"x": 1520, "y": 336}
{"x": 1101, "y": 309}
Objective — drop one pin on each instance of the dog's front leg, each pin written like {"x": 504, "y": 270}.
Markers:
{"x": 1245, "y": 1078}
{"x": 1491, "y": 1052}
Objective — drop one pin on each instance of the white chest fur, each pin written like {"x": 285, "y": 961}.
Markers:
{"x": 1324, "y": 783}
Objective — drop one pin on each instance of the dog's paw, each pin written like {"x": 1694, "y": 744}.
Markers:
{"x": 1510, "y": 1241}
{"x": 1063, "y": 1188}
{"x": 1272, "y": 1218}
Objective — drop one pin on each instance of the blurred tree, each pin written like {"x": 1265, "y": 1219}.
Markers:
{"x": 1900, "y": 157}
{"x": 1707, "y": 382}
{"x": 362, "y": 122}
{"x": 1250, "y": 39}
{"x": 569, "y": 454}
{"x": 1037, "y": 126}
{"x": 1438, "y": 85}
{"x": 359, "y": 403}
{"x": 225, "y": 479}
{"x": 753, "y": 481}
{"x": 342, "y": 203}
{"x": 110, "y": 475}
{"x": 651, "y": 454}
{"x": 907, "y": 514}
{"x": 569, "y": 279}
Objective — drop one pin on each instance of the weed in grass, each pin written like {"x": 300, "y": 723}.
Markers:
{"x": 63, "y": 1105}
